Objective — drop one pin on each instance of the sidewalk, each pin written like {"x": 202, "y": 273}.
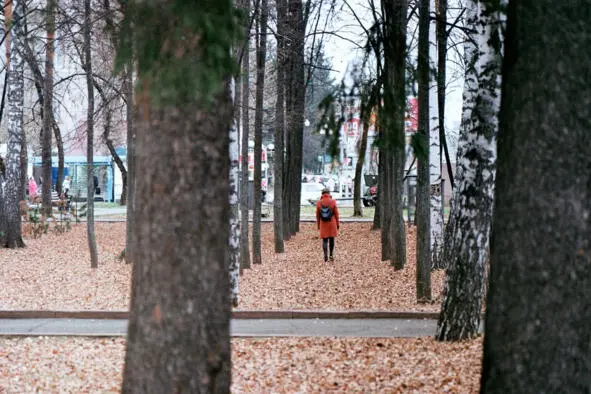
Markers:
{"x": 368, "y": 328}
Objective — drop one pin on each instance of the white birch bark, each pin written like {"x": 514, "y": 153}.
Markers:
{"x": 234, "y": 218}
{"x": 472, "y": 205}
{"x": 436, "y": 201}
{"x": 14, "y": 115}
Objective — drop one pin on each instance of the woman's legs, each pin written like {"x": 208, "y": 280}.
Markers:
{"x": 331, "y": 241}
{"x": 325, "y": 248}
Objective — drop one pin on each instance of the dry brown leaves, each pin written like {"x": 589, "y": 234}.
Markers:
{"x": 54, "y": 273}
{"x": 294, "y": 365}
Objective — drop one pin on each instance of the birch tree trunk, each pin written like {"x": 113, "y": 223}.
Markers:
{"x": 278, "y": 157}
{"x": 90, "y": 190}
{"x": 47, "y": 129}
{"x": 234, "y": 212}
{"x": 476, "y": 160}
{"x": 422, "y": 212}
{"x": 436, "y": 203}
{"x": 14, "y": 127}
{"x": 537, "y": 337}
{"x": 244, "y": 212}
{"x": 258, "y": 130}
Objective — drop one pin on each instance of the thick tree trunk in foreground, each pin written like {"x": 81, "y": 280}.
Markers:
{"x": 467, "y": 253}
{"x": 258, "y": 131}
{"x": 395, "y": 106}
{"x": 377, "y": 216}
{"x": 422, "y": 213}
{"x": 178, "y": 338}
{"x": 90, "y": 189}
{"x": 278, "y": 157}
{"x": 14, "y": 114}
{"x": 537, "y": 336}
{"x": 244, "y": 212}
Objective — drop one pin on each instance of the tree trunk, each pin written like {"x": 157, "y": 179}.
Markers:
{"x": 395, "y": 106}
{"x": 113, "y": 152}
{"x": 234, "y": 201}
{"x": 2, "y": 206}
{"x": 258, "y": 130}
{"x": 47, "y": 129}
{"x": 357, "y": 210}
{"x": 178, "y": 337}
{"x": 60, "y": 157}
{"x": 90, "y": 190}
{"x": 244, "y": 212}
{"x": 24, "y": 163}
{"x": 130, "y": 158}
{"x": 436, "y": 203}
{"x": 385, "y": 199}
{"x": 14, "y": 114}
{"x": 537, "y": 337}
{"x": 422, "y": 214}
{"x": 278, "y": 157}
{"x": 377, "y": 216}
{"x": 467, "y": 252}
{"x": 441, "y": 76}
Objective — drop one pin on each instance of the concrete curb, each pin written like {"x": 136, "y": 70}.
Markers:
{"x": 280, "y": 314}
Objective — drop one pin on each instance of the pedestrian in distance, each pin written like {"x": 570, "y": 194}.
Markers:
{"x": 327, "y": 219}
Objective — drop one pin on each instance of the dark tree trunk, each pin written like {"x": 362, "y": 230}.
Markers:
{"x": 90, "y": 190}
{"x": 537, "y": 336}
{"x": 244, "y": 211}
{"x": 422, "y": 213}
{"x": 395, "y": 105}
{"x": 130, "y": 158}
{"x": 357, "y": 210}
{"x": 377, "y": 216}
{"x": 60, "y": 157}
{"x": 178, "y": 338}
{"x": 467, "y": 255}
{"x": 258, "y": 130}
{"x": 385, "y": 200}
{"x": 13, "y": 192}
{"x": 278, "y": 157}
{"x": 47, "y": 129}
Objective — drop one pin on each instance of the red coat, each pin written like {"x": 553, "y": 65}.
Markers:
{"x": 327, "y": 229}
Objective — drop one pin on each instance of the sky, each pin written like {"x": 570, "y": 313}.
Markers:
{"x": 343, "y": 53}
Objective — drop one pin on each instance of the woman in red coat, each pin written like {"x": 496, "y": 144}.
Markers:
{"x": 327, "y": 219}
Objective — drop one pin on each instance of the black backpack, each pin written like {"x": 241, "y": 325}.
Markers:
{"x": 325, "y": 213}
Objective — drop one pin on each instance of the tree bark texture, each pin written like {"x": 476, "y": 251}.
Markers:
{"x": 436, "y": 203}
{"x": 278, "y": 156}
{"x": 178, "y": 338}
{"x": 234, "y": 201}
{"x": 385, "y": 199}
{"x": 263, "y": 14}
{"x": 244, "y": 212}
{"x": 377, "y": 216}
{"x": 295, "y": 104}
{"x": 90, "y": 189}
{"x": 357, "y": 210}
{"x": 130, "y": 159}
{"x": 422, "y": 212}
{"x": 24, "y": 163}
{"x": 467, "y": 253}
{"x": 537, "y": 336}
{"x": 14, "y": 115}
{"x": 47, "y": 129}
{"x": 394, "y": 12}
{"x": 441, "y": 12}
{"x": 60, "y": 156}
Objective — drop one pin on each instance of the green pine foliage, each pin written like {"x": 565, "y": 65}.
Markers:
{"x": 181, "y": 47}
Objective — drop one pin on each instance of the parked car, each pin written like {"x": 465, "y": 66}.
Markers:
{"x": 370, "y": 198}
{"x": 311, "y": 192}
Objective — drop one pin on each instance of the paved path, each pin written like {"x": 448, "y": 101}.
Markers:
{"x": 372, "y": 328}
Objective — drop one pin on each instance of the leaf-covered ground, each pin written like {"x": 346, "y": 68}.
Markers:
{"x": 53, "y": 273}
{"x": 287, "y": 365}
